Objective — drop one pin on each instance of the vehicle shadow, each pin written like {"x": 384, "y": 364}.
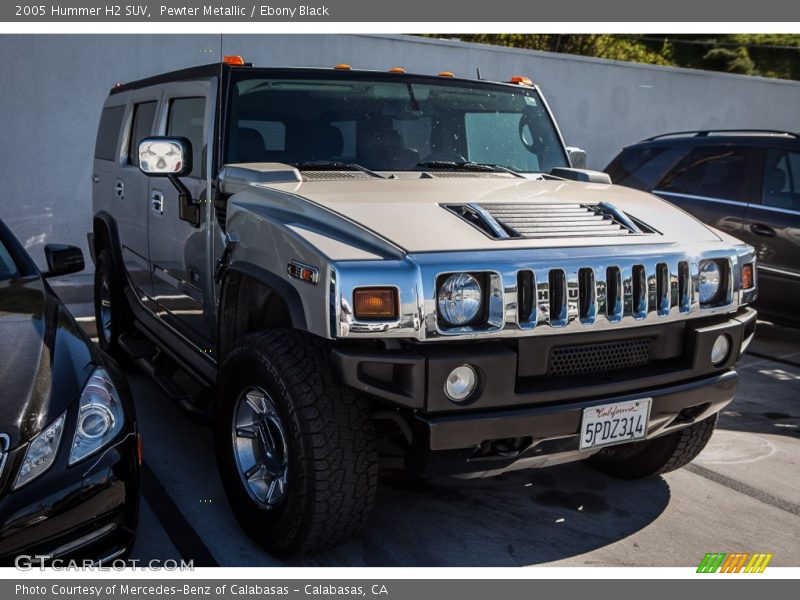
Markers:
{"x": 521, "y": 518}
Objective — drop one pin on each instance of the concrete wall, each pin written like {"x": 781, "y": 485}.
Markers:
{"x": 53, "y": 88}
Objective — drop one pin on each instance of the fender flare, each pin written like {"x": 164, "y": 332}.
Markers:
{"x": 104, "y": 222}
{"x": 278, "y": 285}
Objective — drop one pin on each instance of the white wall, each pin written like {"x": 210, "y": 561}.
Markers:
{"x": 52, "y": 89}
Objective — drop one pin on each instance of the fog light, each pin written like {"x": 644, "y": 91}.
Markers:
{"x": 461, "y": 383}
{"x": 720, "y": 349}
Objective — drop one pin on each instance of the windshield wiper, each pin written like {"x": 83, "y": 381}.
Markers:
{"x": 334, "y": 165}
{"x": 468, "y": 165}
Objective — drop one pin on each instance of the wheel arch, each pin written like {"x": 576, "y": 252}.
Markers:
{"x": 254, "y": 299}
{"x": 106, "y": 236}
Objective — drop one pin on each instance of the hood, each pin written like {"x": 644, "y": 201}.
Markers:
{"x": 45, "y": 358}
{"x": 411, "y": 213}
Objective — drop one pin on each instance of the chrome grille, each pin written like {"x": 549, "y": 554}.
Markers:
{"x": 598, "y": 358}
{"x": 557, "y": 297}
{"x": 551, "y": 220}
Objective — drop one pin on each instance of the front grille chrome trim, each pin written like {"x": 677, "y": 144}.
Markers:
{"x": 666, "y": 281}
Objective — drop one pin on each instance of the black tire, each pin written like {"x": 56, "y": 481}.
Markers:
{"x": 329, "y": 437}
{"x": 655, "y": 457}
{"x": 121, "y": 316}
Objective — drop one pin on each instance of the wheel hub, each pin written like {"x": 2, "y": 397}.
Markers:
{"x": 259, "y": 444}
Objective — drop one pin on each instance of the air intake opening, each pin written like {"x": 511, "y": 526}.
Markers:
{"x": 558, "y": 298}
{"x": 684, "y": 287}
{"x": 639, "y": 292}
{"x": 662, "y": 289}
{"x": 525, "y": 297}
{"x": 613, "y": 294}
{"x": 587, "y": 296}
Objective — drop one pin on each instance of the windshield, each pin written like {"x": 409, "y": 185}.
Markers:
{"x": 390, "y": 125}
{"x": 8, "y": 268}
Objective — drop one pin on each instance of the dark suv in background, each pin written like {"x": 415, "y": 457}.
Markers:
{"x": 746, "y": 183}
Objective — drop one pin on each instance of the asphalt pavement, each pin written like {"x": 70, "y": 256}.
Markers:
{"x": 742, "y": 494}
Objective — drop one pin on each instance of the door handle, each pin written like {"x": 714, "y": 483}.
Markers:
{"x": 763, "y": 230}
{"x": 157, "y": 202}
{"x": 119, "y": 189}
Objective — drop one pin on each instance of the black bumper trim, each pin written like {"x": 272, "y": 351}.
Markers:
{"x": 459, "y": 431}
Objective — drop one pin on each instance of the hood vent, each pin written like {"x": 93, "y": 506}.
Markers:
{"x": 333, "y": 175}
{"x": 534, "y": 221}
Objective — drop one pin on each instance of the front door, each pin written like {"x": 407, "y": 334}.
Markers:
{"x": 179, "y": 248}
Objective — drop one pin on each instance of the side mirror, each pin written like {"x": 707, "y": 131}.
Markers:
{"x": 171, "y": 157}
{"x": 62, "y": 260}
{"x": 165, "y": 156}
{"x": 577, "y": 157}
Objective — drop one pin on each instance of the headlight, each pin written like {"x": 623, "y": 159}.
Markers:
{"x": 459, "y": 299}
{"x": 710, "y": 281}
{"x": 100, "y": 416}
{"x": 41, "y": 453}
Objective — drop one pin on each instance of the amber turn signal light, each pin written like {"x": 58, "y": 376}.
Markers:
{"x": 375, "y": 303}
{"x": 747, "y": 276}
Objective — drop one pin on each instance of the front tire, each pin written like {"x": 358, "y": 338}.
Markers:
{"x": 657, "y": 456}
{"x": 296, "y": 452}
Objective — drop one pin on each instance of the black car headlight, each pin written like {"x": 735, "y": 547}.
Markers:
{"x": 41, "y": 453}
{"x": 100, "y": 419}
{"x": 100, "y": 416}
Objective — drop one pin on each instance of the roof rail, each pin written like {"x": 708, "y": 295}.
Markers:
{"x": 708, "y": 132}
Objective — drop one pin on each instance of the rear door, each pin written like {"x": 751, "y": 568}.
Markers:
{"x": 179, "y": 248}
{"x": 131, "y": 188}
{"x": 714, "y": 183}
{"x": 772, "y": 227}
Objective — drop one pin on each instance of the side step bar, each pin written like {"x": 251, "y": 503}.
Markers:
{"x": 175, "y": 383}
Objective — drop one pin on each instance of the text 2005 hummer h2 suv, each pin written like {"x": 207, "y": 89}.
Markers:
{"x": 384, "y": 269}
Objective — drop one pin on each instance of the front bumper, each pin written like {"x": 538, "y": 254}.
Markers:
{"x": 466, "y": 443}
{"x": 521, "y": 404}
{"x": 85, "y": 512}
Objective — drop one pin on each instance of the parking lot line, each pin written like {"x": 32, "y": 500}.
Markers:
{"x": 186, "y": 540}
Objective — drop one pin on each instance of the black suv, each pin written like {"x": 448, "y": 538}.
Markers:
{"x": 746, "y": 183}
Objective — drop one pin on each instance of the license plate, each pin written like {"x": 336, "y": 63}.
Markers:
{"x": 614, "y": 423}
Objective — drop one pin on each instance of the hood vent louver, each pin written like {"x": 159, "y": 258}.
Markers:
{"x": 533, "y": 221}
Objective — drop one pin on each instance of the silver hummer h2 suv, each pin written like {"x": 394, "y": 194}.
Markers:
{"x": 348, "y": 270}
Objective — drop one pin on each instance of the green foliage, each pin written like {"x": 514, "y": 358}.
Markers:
{"x": 767, "y": 55}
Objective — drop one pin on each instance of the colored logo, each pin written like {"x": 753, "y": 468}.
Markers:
{"x": 737, "y": 562}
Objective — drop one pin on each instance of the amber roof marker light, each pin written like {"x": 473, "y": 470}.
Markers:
{"x": 233, "y": 59}
{"x": 342, "y": 67}
{"x": 520, "y": 80}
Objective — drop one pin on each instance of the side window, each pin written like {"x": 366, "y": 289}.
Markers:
{"x": 8, "y": 268}
{"x": 143, "y": 115}
{"x": 715, "y": 172}
{"x": 642, "y": 167}
{"x": 186, "y": 119}
{"x": 782, "y": 179}
{"x": 105, "y": 147}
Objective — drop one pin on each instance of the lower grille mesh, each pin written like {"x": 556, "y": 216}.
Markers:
{"x": 598, "y": 358}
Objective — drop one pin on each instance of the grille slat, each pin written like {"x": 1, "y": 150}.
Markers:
{"x": 598, "y": 358}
